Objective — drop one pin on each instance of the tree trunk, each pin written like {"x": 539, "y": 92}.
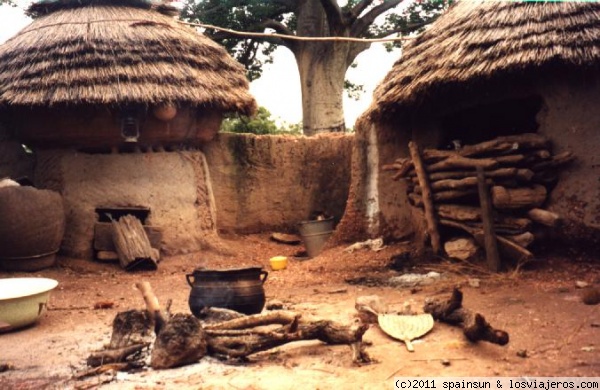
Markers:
{"x": 322, "y": 67}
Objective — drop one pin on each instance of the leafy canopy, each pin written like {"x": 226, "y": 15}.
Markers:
{"x": 358, "y": 18}
{"x": 262, "y": 123}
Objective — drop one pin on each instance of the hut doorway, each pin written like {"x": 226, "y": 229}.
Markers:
{"x": 487, "y": 121}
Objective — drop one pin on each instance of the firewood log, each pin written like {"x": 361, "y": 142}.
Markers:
{"x": 516, "y": 198}
{"x": 181, "y": 341}
{"x": 442, "y": 196}
{"x": 430, "y": 215}
{"x": 527, "y": 141}
{"x": 490, "y": 241}
{"x": 535, "y": 156}
{"x": 544, "y": 217}
{"x": 493, "y": 147}
{"x": 474, "y": 325}
{"x": 507, "y": 248}
{"x": 459, "y": 212}
{"x": 521, "y": 174}
{"x": 524, "y": 239}
{"x": 459, "y": 162}
{"x": 555, "y": 162}
{"x": 510, "y": 160}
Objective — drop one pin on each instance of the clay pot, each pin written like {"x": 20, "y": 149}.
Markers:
{"x": 165, "y": 112}
{"x": 238, "y": 289}
{"x": 31, "y": 228}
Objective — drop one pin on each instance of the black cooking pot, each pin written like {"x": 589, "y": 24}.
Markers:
{"x": 238, "y": 289}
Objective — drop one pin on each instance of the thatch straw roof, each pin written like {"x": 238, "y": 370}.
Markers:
{"x": 117, "y": 52}
{"x": 489, "y": 43}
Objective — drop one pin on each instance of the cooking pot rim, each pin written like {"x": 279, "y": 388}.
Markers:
{"x": 221, "y": 270}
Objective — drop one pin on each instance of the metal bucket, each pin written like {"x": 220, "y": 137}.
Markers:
{"x": 315, "y": 234}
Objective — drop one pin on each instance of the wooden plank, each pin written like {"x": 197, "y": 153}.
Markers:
{"x": 491, "y": 244}
{"x": 103, "y": 240}
{"x": 430, "y": 214}
{"x": 132, "y": 244}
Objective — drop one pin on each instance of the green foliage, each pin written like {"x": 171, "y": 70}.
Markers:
{"x": 255, "y": 15}
{"x": 413, "y": 19}
{"x": 240, "y": 15}
{"x": 354, "y": 91}
{"x": 260, "y": 124}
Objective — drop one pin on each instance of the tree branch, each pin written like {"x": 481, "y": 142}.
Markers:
{"x": 277, "y": 26}
{"x": 358, "y": 9}
{"x": 403, "y": 30}
{"x": 362, "y": 24}
{"x": 334, "y": 16}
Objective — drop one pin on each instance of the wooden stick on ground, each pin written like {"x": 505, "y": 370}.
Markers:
{"x": 474, "y": 325}
{"x": 491, "y": 244}
{"x": 152, "y": 305}
{"x": 111, "y": 356}
{"x": 430, "y": 214}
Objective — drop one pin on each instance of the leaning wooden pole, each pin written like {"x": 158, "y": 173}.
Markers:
{"x": 491, "y": 243}
{"x": 427, "y": 196}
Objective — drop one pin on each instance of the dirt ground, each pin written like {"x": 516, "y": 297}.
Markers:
{"x": 552, "y": 333}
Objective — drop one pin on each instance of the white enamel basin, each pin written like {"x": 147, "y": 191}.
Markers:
{"x": 23, "y": 300}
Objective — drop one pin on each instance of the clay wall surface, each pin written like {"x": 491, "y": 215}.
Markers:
{"x": 571, "y": 119}
{"x": 171, "y": 184}
{"x": 257, "y": 184}
{"x": 270, "y": 183}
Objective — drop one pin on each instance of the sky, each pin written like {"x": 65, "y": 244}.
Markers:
{"x": 278, "y": 89}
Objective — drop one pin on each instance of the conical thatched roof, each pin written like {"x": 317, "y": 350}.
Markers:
{"x": 117, "y": 52}
{"x": 489, "y": 43}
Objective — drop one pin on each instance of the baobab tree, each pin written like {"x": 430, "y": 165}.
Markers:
{"x": 322, "y": 64}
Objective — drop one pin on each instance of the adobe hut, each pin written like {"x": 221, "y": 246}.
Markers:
{"x": 483, "y": 70}
{"x": 91, "y": 77}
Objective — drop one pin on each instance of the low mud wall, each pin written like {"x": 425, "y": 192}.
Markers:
{"x": 269, "y": 183}
{"x": 237, "y": 184}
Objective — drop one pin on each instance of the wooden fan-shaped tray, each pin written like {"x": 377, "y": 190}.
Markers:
{"x": 405, "y": 327}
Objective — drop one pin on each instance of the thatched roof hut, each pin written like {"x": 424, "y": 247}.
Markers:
{"x": 484, "y": 69}
{"x": 95, "y": 74}
{"x": 490, "y": 44}
{"x": 117, "y": 52}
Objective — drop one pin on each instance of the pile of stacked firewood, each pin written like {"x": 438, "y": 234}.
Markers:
{"x": 516, "y": 174}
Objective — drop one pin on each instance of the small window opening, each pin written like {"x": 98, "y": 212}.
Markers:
{"x": 107, "y": 214}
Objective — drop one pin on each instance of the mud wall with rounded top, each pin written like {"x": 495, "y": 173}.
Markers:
{"x": 270, "y": 183}
{"x": 239, "y": 183}
{"x": 171, "y": 184}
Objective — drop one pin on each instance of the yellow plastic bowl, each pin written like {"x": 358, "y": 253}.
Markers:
{"x": 278, "y": 263}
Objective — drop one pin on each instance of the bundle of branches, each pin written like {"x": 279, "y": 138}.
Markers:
{"x": 182, "y": 339}
{"x": 519, "y": 172}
